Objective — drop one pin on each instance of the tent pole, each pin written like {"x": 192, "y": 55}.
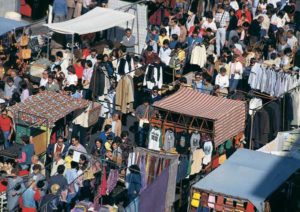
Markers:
{"x": 138, "y": 31}
{"x": 48, "y": 45}
{"x": 72, "y": 47}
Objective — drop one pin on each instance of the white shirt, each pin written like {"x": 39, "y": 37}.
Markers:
{"x": 211, "y": 25}
{"x": 87, "y": 74}
{"x": 94, "y": 60}
{"x": 236, "y": 67}
{"x": 275, "y": 20}
{"x": 222, "y": 81}
{"x": 234, "y": 5}
{"x": 266, "y": 22}
{"x": 164, "y": 55}
{"x": 43, "y": 82}
{"x": 72, "y": 79}
{"x": 175, "y": 30}
{"x": 292, "y": 42}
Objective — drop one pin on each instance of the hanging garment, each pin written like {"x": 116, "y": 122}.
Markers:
{"x": 99, "y": 84}
{"x": 182, "y": 171}
{"x": 274, "y": 111}
{"x": 142, "y": 166}
{"x": 261, "y": 127}
{"x": 254, "y": 104}
{"x": 295, "y": 96}
{"x": 198, "y": 56}
{"x": 153, "y": 198}
{"x": 153, "y": 76}
{"x": 169, "y": 140}
{"x": 112, "y": 179}
{"x": 182, "y": 143}
{"x": 125, "y": 65}
{"x": 207, "y": 148}
{"x": 154, "y": 138}
{"x": 211, "y": 201}
{"x": 124, "y": 95}
{"x": 197, "y": 158}
{"x": 195, "y": 141}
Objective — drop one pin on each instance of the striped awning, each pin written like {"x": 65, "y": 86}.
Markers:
{"x": 228, "y": 115}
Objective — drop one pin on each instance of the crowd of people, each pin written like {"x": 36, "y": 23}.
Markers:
{"x": 219, "y": 42}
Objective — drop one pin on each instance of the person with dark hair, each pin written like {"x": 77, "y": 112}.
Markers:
{"x": 173, "y": 41}
{"x": 37, "y": 176}
{"x": 51, "y": 84}
{"x": 115, "y": 123}
{"x": 9, "y": 88}
{"x": 71, "y": 78}
{"x": 143, "y": 114}
{"x": 15, "y": 99}
{"x": 86, "y": 79}
{"x": 24, "y": 91}
{"x": 134, "y": 181}
{"x": 76, "y": 146}
{"x": 26, "y": 153}
{"x": 149, "y": 56}
{"x": 15, "y": 188}
{"x": 6, "y": 126}
{"x": 165, "y": 52}
{"x": 98, "y": 149}
{"x": 128, "y": 41}
{"x": 92, "y": 57}
{"x": 106, "y": 132}
{"x": 59, "y": 178}
{"x": 163, "y": 35}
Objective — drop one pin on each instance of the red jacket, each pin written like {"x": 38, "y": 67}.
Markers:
{"x": 247, "y": 13}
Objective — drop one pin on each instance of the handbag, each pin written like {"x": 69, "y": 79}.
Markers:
{"x": 25, "y": 54}
{"x": 218, "y": 24}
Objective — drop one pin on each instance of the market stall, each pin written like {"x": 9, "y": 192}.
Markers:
{"x": 190, "y": 110}
{"x": 38, "y": 115}
{"x": 248, "y": 181}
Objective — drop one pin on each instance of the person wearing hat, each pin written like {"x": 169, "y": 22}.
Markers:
{"x": 50, "y": 202}
{"x": 27, "y": 152}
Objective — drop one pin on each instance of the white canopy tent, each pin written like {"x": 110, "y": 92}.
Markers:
{"x": 95, "y": 20}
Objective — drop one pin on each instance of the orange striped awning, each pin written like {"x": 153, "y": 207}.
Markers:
{"x": 228, "y": 115}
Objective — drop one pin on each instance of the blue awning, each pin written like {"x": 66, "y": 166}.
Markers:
{"x": 250, "y": 175}
{"x": 9, "y": 25}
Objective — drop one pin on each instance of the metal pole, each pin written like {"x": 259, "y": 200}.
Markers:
{"x": 251, "y": 131}
{"x": 72, "y": 48}
{"x": 137, "y": 28}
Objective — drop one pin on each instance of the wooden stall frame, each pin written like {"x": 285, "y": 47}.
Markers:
{"x": 43, "y": 123}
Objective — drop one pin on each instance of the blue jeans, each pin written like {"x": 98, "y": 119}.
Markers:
{"x": 6, "y": 141}
{"x": 233, "y": 83}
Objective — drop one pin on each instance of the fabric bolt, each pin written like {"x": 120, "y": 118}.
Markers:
{"x": 142, "y": 166}
{"x": 103, "y": 186}
{"x": 222, "y": 159}
{"x": 150, "y": 194}
{"x": 112, "y": 179}
{"x": 219, "y": 204}
{"x": 197, "y": 158}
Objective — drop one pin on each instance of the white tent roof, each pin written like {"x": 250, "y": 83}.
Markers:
{"x": 95, "y": 20}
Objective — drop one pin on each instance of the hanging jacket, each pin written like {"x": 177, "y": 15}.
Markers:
{"x": 153, "y": 76}
{"x": 124, "y": 95}
{"x": 198, "y": 56}
{"x": 169, "y": 140}
{"x": 99, "y": 84}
